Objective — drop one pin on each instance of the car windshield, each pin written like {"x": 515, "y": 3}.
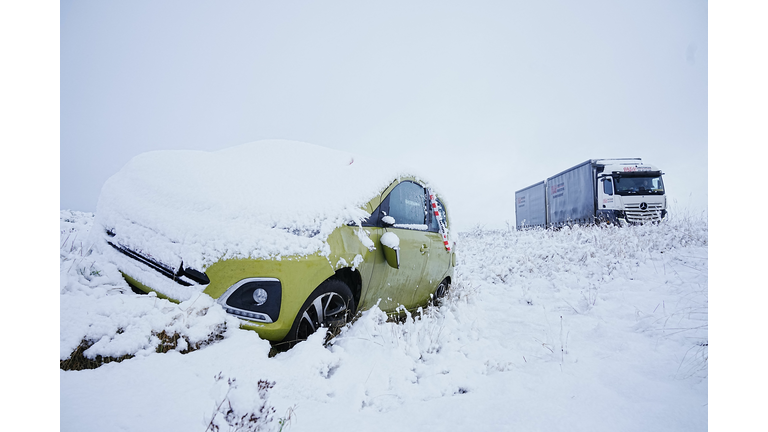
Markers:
{"x": 639, "y": 185}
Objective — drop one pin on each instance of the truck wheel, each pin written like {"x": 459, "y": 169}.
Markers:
{"x": 330, "y": 305}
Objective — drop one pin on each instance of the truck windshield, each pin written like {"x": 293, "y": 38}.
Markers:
{"x": 639, "y": 185}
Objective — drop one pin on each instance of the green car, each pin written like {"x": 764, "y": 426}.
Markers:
{"x": 287, "y": 236}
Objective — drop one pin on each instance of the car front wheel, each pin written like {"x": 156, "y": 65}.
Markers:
{"x": 330, "y": 305}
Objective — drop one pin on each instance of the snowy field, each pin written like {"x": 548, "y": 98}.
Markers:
{"x": 583, "y": 329}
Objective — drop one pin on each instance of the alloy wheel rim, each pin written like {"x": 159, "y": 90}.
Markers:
{"x": 440, "y": 292}
{"x": 326, "y": 310}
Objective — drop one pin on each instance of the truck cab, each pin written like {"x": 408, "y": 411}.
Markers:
{"x": 630, "y": 192}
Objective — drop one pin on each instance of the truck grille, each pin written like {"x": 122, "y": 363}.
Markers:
{"x": 635, "y": 214}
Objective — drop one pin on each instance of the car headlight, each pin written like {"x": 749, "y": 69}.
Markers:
{"x": 260, "y": 296}
{"x": 256, "y": 299}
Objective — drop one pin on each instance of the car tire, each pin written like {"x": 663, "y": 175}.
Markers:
{"x": 441, "y": 291}
{"x": 330, "y": 305}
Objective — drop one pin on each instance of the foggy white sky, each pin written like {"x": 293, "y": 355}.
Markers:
{"x": 487, "y": 97}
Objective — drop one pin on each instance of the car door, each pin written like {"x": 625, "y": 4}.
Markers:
{"x": 438, "y": 256}
{"x": 406, "y": 203}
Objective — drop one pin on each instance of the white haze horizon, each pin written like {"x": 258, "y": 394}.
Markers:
{"x": 486, "y": 97}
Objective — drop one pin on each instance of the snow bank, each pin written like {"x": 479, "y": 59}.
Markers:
{"x": 262, "y": 199}
{"x": 98, "y": 307}
{"x": 583, "y": 329}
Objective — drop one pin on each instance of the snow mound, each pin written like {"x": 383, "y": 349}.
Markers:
{"x": 607, "y": 328}
{"x": 98, "y": 307}
{"x": 262, "y": 199}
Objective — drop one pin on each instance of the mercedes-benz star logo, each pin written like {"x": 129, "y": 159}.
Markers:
{"x": 643, "y": 206}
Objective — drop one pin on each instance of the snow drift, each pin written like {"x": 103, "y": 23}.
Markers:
{"x": 582, "y": 329}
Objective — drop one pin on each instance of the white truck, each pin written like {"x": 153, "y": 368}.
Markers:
{"x": 597, "y": 190}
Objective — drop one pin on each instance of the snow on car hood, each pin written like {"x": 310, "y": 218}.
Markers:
{"x": 263, "y": 199}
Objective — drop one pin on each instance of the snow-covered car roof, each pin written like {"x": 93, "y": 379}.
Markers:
{"x": 263, "y": 199}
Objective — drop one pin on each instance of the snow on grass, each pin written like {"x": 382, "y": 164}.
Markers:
{"x": 593, "y": 329}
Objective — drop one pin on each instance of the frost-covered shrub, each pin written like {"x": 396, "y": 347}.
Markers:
{"x": 240, "y": 412}
{"x": 603, "y": 250}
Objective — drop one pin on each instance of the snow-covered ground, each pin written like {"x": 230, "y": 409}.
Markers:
{"x": 582, "y": 329}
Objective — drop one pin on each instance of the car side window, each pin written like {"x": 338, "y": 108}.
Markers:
{"x": 433, "y": 225}
{"x": 407, "y": 204}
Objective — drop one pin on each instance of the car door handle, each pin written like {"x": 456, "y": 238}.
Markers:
{"x": 424, "y": 249}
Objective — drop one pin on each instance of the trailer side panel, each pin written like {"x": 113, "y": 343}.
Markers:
{"x": 571, "y": 196}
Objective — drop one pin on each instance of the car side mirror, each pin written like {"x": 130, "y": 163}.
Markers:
{"x": 388, "y": 221}
{"x": 390, "y": 243}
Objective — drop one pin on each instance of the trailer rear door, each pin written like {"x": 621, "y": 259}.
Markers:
{"x": 530, "y": 207}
